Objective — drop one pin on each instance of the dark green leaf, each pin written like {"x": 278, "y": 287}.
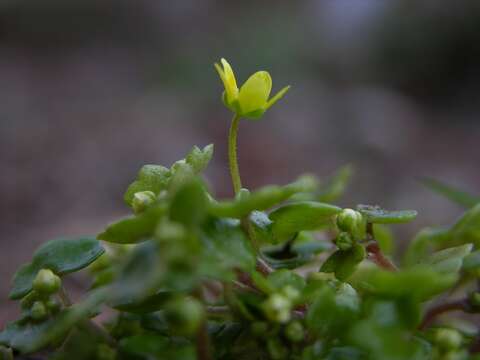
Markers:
{"x": 150, "y": 178}
{"x": 147, "y": 346}
{"x": 425, "y": 241}
{"x": 262, "y": 226}
{"x": 62, "y": 256}
{"x": 304, "y": 215}
{"x": 225, "y": 248}
{"x": 472, "y": 261}
{"x": 133, "y": 229}
{"x": 458, "y": 196}
{"x": 189, "y": 205}
{"x": 344, "y": 263}
{"x": 378, "y": 215}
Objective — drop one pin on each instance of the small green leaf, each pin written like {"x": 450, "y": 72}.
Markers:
{"x": 281, "y": 278}
{"x": 62, "y": 256}
{"x": 467, "y": 228}
{"x": 225, "y": 249}
{"x": 133, "y": 229}
{"x": 449, "y": 260}
{"x": 300, "y": 253}
{"x": 344, "y": 263}
{"x": 262, "y": 199}
{"x": 144, "y": 305}
{"x": 457, "y": 196}
{"x": 189, "y": 205}
{"x": 150, "y": 178}
{"x": 378, "y": 215}
{"x": 336, "y": 185}
{"x": 472, "y": 261}
{"x": 199, "y": 158}
{"x": 303, "y": 215}
{"x": 419, "y": 282}
{"x": 146, "y": 346}
{"x": 384, "y": 237}
{"x": 424, "y": 242}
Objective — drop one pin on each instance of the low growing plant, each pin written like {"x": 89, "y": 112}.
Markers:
{"x": 275, "y": 273}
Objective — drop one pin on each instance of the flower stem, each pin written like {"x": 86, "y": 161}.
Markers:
{"x": 232, "y": 154}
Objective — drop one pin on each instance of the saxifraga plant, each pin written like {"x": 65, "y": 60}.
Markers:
{"x": 276, "y": 273}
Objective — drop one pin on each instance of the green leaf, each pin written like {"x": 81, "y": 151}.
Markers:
{"x": 457, "y": 196}
{"x": 262, "y": 226}
{"x": 377, "y": 215}
{"x": 150, "y": 178}
{"x": 303, "y": 215}
{"x": 424, "y": 242}
{"x": 62, "y": 256}
{"x": 467, "y": 228}
{"x": 333, "y": 310}
{"x": 449, "y": 260}
{"x": 133, "y": 229}
{"x": 300, "y": 254}
{"x": 344, "y": 263}
{"x": 139, "y": 276}
{"x": 384, "y": 237}
{"x": 144, "y": 305}
{"x": 337, "y": 184}
{"x": 472, "y": 261}
{"x": 199, "y": 158}
{"x": 189, "y": 205}
{"x": 419, "y": 282}
{"x": 281, "y": 278}
{"x": 146, "y": 346}
{"x": 31, "y": 337}
{"x": 262, "y": 199}
{"x": 225, "y": 248}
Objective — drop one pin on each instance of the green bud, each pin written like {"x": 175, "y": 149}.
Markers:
{"x": 28, "y": 300}
{"x": 242, "y": 194}
{"x": 290, "y": 293}
{"x": 184, "y": 315}
{"x": 348, "y": 220}
{"x": 448, "y": 339}
{"x": 46, "y": 282}
{"x": 38, "y": 311}
{"x": 277, "y": 308}
{"x": 53, "y": 305}
{"x": 294, "y": 331}
{"x": 142, "y": 200}
{"x": 344, "y": 241}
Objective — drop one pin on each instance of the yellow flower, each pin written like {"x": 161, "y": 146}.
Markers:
{"x": 251, "y": 101}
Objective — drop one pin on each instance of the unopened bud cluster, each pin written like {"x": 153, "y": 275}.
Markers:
{"x": 351, "y": 225}
{"x": 40, "y": 303}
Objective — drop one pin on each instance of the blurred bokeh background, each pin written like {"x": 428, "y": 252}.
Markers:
{"x": 91, "y": 90}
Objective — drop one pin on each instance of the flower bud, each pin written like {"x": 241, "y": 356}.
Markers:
{"x": 38, "y": 311}
{"x": 184, "y": 315}
{"x": 348, "y": 220}
{"x": 294, "y": 331}
{"x": 142, "y": 200}
{"x": 277, "y": 308}
{"x": 344, "y": 241}
{"x": 448, "y": 339}
{"x": 46, "y": 282}
{"x": 53, "y": 305}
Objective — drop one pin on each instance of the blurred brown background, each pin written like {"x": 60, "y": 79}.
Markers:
{"x": 91, "y": 90}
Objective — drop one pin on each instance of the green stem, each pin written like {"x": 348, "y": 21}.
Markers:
{"x": 232, "y": 154}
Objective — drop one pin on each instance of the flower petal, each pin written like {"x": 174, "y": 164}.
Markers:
{"x": 254, "y": 93}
